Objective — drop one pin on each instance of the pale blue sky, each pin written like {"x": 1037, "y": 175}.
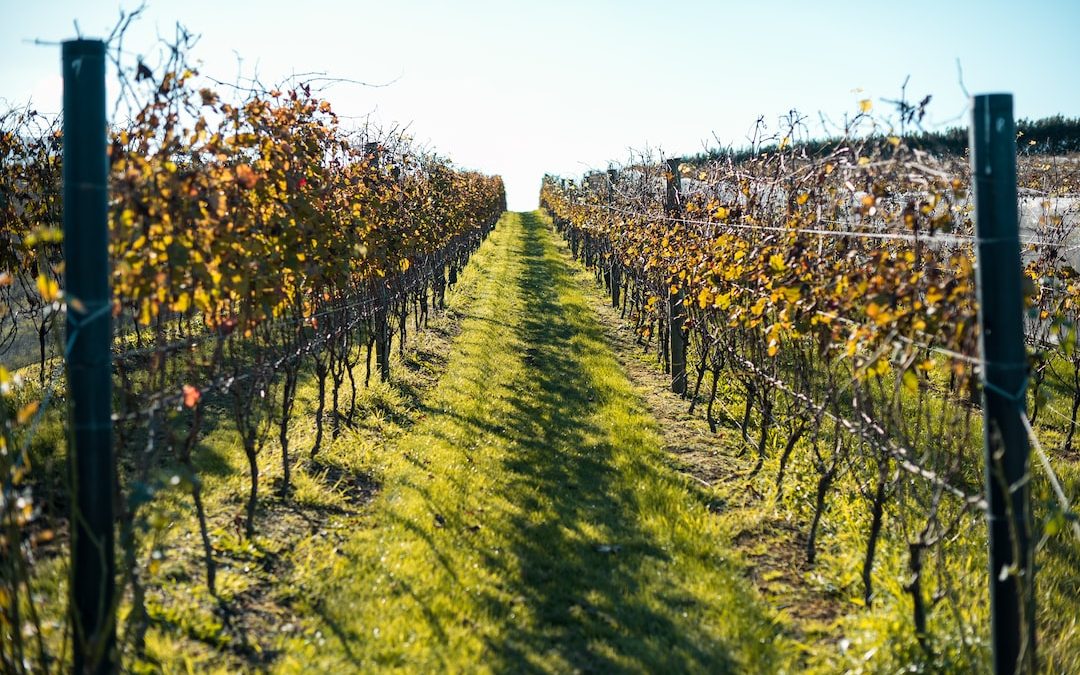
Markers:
{"x": 520, "y": 88}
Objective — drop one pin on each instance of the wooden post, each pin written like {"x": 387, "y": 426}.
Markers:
{"x": 1004, "y": 371}
{"x": 440, "y": 284}
{"x": 616, "y": 267}
{"x": 672, "y": 203}
{"x": 382, "y": 331}
{"x": 382, "y": 297}
{"x": 676, "y": 307}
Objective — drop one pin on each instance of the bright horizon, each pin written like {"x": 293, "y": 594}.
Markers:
{"x": 521, "y": 89}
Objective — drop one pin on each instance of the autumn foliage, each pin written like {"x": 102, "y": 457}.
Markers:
{"x": 827, "y": 310}
{"x": 252, "y": 237}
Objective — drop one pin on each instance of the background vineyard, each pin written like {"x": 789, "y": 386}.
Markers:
{"x": 252, "y": 239}
{"x": 821, "y": 301}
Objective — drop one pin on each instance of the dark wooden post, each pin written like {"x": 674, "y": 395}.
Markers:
{"x": 382, "y": 296}
{"x": 440, "y": 284}
{"x": 676, "y": 307}
{"x": 616, "y": 266}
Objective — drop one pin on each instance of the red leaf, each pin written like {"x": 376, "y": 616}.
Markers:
{"x": 191, "y": 396}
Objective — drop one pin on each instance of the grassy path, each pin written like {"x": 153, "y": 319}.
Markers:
{"x": 529, "y": 521}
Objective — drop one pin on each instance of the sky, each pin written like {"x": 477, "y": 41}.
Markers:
{"x": 557, "y": 86}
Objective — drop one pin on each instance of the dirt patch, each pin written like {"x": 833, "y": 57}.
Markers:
{"x": 776, "y": 551}
{"x": 356, "y": 489}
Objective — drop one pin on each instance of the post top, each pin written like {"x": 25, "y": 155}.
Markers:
{"x": 993, "y": 100}
{"x": 83, "y": 47}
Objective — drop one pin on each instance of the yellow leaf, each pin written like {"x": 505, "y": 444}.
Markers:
{"x": 26, "y": 412}
{"x": 202, "y": 299}
{"x": 183, "y": 302}
{"x": 44, "y": 235}
{"x": 404, "y": 264}
{"x": 776, "y": 262}
{"x": 911, "y": 381}
{"x": 47, "y": 286}
{"x": 703, "y": 298}
{"x": 144, "y": 313}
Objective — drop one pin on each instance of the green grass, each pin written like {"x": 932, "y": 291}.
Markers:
{"x": 528, "y": 522}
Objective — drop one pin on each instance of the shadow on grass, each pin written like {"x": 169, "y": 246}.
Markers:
{"x": 585, "y": 588}
{"x": 577, "y": 557}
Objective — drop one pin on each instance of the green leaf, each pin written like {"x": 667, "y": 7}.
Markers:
{"x": 911, "y": 381}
